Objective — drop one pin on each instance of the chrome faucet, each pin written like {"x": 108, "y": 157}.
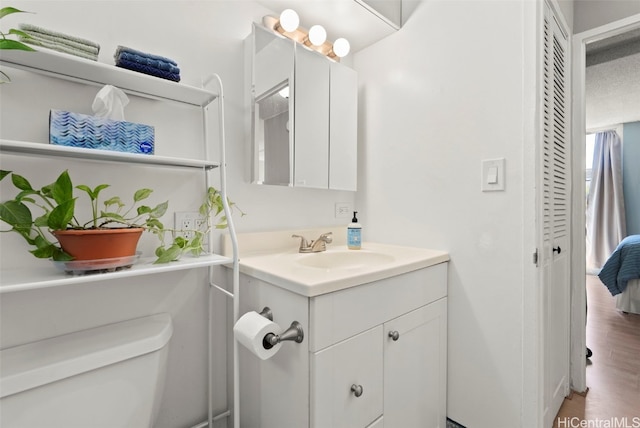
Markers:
{"x": 314, "y": 246}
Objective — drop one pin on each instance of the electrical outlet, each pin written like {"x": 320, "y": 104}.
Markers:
{"x": 187, "y": 223}
{"x": 343, "y": 210}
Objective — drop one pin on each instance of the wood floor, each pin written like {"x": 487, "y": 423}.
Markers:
{"x": 613, "y": 372}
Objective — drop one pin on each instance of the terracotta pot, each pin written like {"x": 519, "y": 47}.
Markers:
{"x": 97, "y": 244}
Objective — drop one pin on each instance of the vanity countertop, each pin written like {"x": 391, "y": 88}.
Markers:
{"x": 337, "y": 268}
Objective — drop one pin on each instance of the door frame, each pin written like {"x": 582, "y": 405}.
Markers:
{"x": 578, "y": 264}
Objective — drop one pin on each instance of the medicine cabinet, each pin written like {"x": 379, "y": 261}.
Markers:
{"x": 304, "y": 115}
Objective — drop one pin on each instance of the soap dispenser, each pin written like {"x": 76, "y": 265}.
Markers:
{"x": 354, "y": 233}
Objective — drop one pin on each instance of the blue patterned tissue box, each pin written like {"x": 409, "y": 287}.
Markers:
{"x": 91, "y": 132}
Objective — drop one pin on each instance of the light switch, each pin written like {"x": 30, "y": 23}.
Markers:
{"x": 492, "y": 178}
{"x": 493, "y": 175}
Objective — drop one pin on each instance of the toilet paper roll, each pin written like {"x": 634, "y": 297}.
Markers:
{"x": 250, "y": 331}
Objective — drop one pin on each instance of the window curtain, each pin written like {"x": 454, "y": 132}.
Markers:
{"x": 606, "y": 225}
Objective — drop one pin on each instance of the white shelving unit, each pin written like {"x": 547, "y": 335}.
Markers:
{"x": 43, "y": 277}
{"x": 28, "y": 148}
{"x": 80, "y": 70}
{"x": 88, "y": 72}
{"x": 51, "y": 63}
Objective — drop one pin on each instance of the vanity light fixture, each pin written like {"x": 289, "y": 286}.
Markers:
{"x": 289, "y": 20}
{"x": 341, "y": 47}
{"x": 317, "y": 35}
{"x": 315, "y": 38}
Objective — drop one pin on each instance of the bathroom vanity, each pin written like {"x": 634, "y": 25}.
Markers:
{"x": 374, "y": 348}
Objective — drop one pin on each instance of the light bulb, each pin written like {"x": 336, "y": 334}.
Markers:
{"x": 317, "y": 35}
{"x": 289, "y": 20}
{"x": 341, "y": 47}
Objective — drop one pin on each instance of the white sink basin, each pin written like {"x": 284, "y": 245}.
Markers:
{"x": 337, "y": 268}
{"x": 345, "y": 259}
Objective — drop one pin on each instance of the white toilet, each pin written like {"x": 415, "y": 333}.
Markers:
{"x": 110, "y": 376}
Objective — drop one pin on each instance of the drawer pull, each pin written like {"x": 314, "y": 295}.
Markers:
{"x": 394, "y": 335}
{"x": 357, "y": 390}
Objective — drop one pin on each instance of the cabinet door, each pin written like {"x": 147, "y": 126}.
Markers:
{"x": 343, "y": 129}
{"x": 311, "y": 120}
{"x": 415, "y": 368}
{"x": 357, "y": 363}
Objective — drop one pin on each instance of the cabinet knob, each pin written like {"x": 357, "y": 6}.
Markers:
{"x": 394, "y": 335}
{"x": 357, "y": 390}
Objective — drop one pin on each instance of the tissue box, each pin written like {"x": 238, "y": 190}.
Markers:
{"x": 91, "y": 132}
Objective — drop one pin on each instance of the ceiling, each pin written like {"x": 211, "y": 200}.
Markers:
{"x": 612, "y": 85}
{"x": 614, "y": 47}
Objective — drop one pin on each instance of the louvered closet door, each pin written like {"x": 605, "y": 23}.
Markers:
{"x": 554, "y": 215}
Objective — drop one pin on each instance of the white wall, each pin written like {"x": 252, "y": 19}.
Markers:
{"x": 588, "y": 14}
{"x": 445, "y": 92}
{"x": 203, "y": 37}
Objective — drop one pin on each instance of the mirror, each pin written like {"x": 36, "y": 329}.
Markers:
{"x": 310, "y": 138}
{"x": 272, "y": 111}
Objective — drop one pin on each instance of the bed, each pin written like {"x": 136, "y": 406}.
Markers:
{"x": 621, "y": 274}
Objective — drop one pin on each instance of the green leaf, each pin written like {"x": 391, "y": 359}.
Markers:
{"x": 3, "y": 174}
{"x": 86, "y": 189}
{"x": 197, "y": 251}
{"x": 20, "y": 182}
{"x": 159, "y": 210}
{"x": 19, "y": 33}
{"x": 113, "y": 216}
{"x": 62, "y": 190}
{"x": 47, "y": 190}
{"x": 60, "y": 256}
{"x": 196, "y": 243}
{"x": 143, "y": 209}
{"x": 99, "y": 188}
{"x": 44, "y": 252}
{"x": 14, "y": 44}
{"x": 9, "y": 10}
{"x": 114, "y": 201}
{"x": 60, "y": 216}
{"x": 41, "y": 242}
{"x": 22, "y": 196}
{"x": 159, "y": 251}
{"x": 180, "y": 241}
{"x": 141, "y": 194}
{"x": 168, "y": 255}
{"x": 22, "y": 199}
{"x": 16, "y": 214}
{"x": 42, "y": 221}
{"x": 154, "y": 223}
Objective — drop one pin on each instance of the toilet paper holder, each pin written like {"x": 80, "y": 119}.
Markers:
{"x": 293, "y": 333}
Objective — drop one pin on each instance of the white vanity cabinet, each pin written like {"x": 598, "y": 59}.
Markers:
{"x": 349, "y": 371}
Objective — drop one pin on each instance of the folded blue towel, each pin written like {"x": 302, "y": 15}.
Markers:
{"x": 162, "y": 65}
{"x": 152, "y": 71}
{"x": 121, "y": 49}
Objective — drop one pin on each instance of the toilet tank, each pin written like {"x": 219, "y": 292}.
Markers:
{"x": 109, "y": 376}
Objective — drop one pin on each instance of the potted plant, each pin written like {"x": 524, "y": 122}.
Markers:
{"x": 36, "y": 214}
{"x": 7, "y": 43}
